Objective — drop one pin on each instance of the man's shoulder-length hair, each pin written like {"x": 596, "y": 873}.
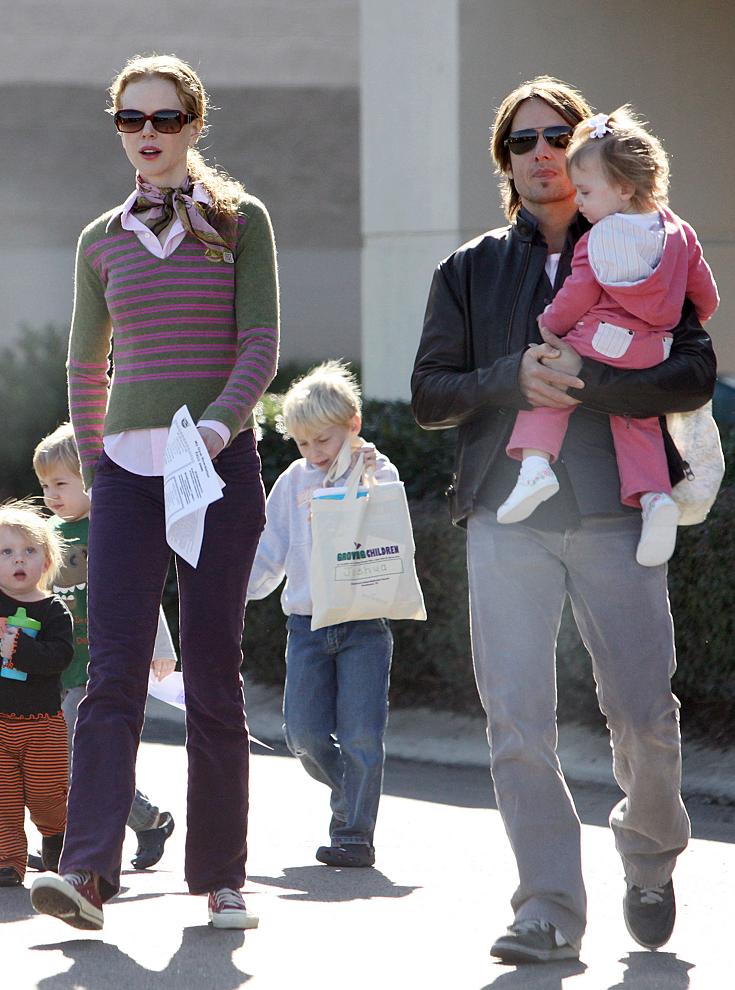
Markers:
{"x": 560, "y": 96}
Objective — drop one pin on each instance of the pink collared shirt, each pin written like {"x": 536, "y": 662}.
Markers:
{"x": 142, "y": 451}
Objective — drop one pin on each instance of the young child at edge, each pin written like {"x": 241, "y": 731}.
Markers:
{"x": 33, "y": 754}
{"x": 335, "y": 703}
{"x": 57, "y": 467}
{"x": 629, "y": 277}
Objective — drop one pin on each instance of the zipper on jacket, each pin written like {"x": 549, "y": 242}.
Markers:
{"x": 519, "y": 286}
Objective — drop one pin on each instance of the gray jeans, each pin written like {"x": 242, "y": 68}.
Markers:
{"x": 519, "y": 578}
{"x": 143, "y": 814}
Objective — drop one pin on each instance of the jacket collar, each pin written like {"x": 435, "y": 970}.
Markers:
{"x": 527, "y": 228}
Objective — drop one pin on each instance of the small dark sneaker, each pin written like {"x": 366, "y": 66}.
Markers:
{"x": 227, "y": 910}
{"x": 352, "y": 854}
{"x": 73, "y": 898}
{"x": 151, "y": 842}
{"x": 650, "y": 913}
{"x": 9, "y": 877}
{"x": 533, "y": 941}
{"x": 51, "y": 852}
{"x": 35, "y": 862}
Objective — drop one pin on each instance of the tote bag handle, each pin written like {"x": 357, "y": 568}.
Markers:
{"x": 338, "y": 467}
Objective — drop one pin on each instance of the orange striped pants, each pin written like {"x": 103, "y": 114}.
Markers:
{"x": 33, "y": 775}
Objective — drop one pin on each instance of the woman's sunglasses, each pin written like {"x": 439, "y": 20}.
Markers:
{"x": 520, "y": 142}
{"x": 164, "y": 121}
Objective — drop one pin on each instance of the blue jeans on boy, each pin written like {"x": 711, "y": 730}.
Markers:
{"x": 335, "y": 709}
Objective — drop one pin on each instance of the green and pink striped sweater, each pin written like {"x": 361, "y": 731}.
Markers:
{"x": 184, "y": 329}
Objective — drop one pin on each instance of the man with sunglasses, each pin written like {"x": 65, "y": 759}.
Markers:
{"x": 480, "y": 360}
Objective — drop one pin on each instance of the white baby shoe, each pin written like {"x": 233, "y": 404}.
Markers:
{"x": 658, "y": 535}
{"x": 535, "y": 484}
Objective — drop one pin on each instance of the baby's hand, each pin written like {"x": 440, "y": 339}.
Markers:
{"x": 163, "y": 667}
{"x": 369, "y": 460}
{"x": 8, "y": 641}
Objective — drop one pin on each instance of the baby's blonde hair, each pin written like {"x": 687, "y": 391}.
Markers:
{"x": 58, "y": 447}
{"x": 328, "y": 395}
{"x": 629, "y": 155}
{"x": 27, "y": 517}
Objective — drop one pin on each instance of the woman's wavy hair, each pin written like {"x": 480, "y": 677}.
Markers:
{"x": 629, "y": 155}
{"x": 226, "y": 193}
{"x": 560, "y": 96}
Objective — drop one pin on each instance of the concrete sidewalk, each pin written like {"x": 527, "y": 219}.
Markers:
{"x": 450, "y": 739}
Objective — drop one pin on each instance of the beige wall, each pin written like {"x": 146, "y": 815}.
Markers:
{"x": 673, "y": 62}
{"x": 410, "y": 175}
{"x": 287, "y": 76}
{"x": 284, "y": 77}
{"x": 236, "y": 42}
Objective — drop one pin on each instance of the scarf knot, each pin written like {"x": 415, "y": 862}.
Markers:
{"x": 156, "y": 207}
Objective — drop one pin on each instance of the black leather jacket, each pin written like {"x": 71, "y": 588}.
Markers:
{"x": 479, "y": 320}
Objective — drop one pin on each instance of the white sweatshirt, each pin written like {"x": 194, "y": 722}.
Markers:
{"x": 285, "y": 544}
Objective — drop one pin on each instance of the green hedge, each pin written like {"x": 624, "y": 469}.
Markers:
{"x": 432, "y": 664}
{"x": 33, "y": 404}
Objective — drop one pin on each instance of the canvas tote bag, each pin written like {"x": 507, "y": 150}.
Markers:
{"x": 697, "y": 439}
{"x": 362, "y": 554}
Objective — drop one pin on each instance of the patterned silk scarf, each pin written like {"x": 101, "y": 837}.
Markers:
{"x": 157, "y": 206}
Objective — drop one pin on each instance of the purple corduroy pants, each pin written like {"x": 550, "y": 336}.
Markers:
{"x": 128, "y": 562}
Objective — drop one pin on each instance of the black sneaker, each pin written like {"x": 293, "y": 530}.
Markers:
{"x": 151, "y": 842}
{"x": 533, "y": 941}
{"x": 51, "y": 851}
{"x": 9, "y": 877}
{"x": 352, "y": 854}
{"x": 650, "y": 913}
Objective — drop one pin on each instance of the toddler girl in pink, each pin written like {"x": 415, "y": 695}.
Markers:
{"x": 630, "y": 274}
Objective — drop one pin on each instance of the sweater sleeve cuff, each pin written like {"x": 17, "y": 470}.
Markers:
{"x": 219, "y": 428}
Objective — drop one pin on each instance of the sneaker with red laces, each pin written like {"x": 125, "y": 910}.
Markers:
{"x": 73, "y": 898}
{"x": 227, "y": 910}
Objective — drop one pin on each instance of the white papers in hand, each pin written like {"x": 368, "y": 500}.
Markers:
{"x": 190, "y": 485}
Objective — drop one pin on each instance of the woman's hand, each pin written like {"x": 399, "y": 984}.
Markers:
{"x": 212, "y": 440}
{"x": 163, "y": 667}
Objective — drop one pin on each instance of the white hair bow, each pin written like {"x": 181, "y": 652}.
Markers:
{"x": 598, "y": 125}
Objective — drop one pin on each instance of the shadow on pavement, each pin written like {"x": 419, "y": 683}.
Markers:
{"x": 322, "y": 883}
{"x": 471, "y": 787}
{"x": 647, "y": 969}
{"x": 16, "y": 904}
{"x": 203, "y": 958}
{"x": 541, "y": 976}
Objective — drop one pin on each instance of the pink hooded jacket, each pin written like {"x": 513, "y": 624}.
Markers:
{"x": 652, "y": 304}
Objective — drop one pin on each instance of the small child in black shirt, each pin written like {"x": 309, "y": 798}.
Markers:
{"x": 36, "y": 644}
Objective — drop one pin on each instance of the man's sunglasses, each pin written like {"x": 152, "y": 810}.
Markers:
{"x": 164, "y": 121}
{"x": 521, "y": 142}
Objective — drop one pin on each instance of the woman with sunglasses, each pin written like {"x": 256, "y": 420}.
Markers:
{"x": 181, "y": 279}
